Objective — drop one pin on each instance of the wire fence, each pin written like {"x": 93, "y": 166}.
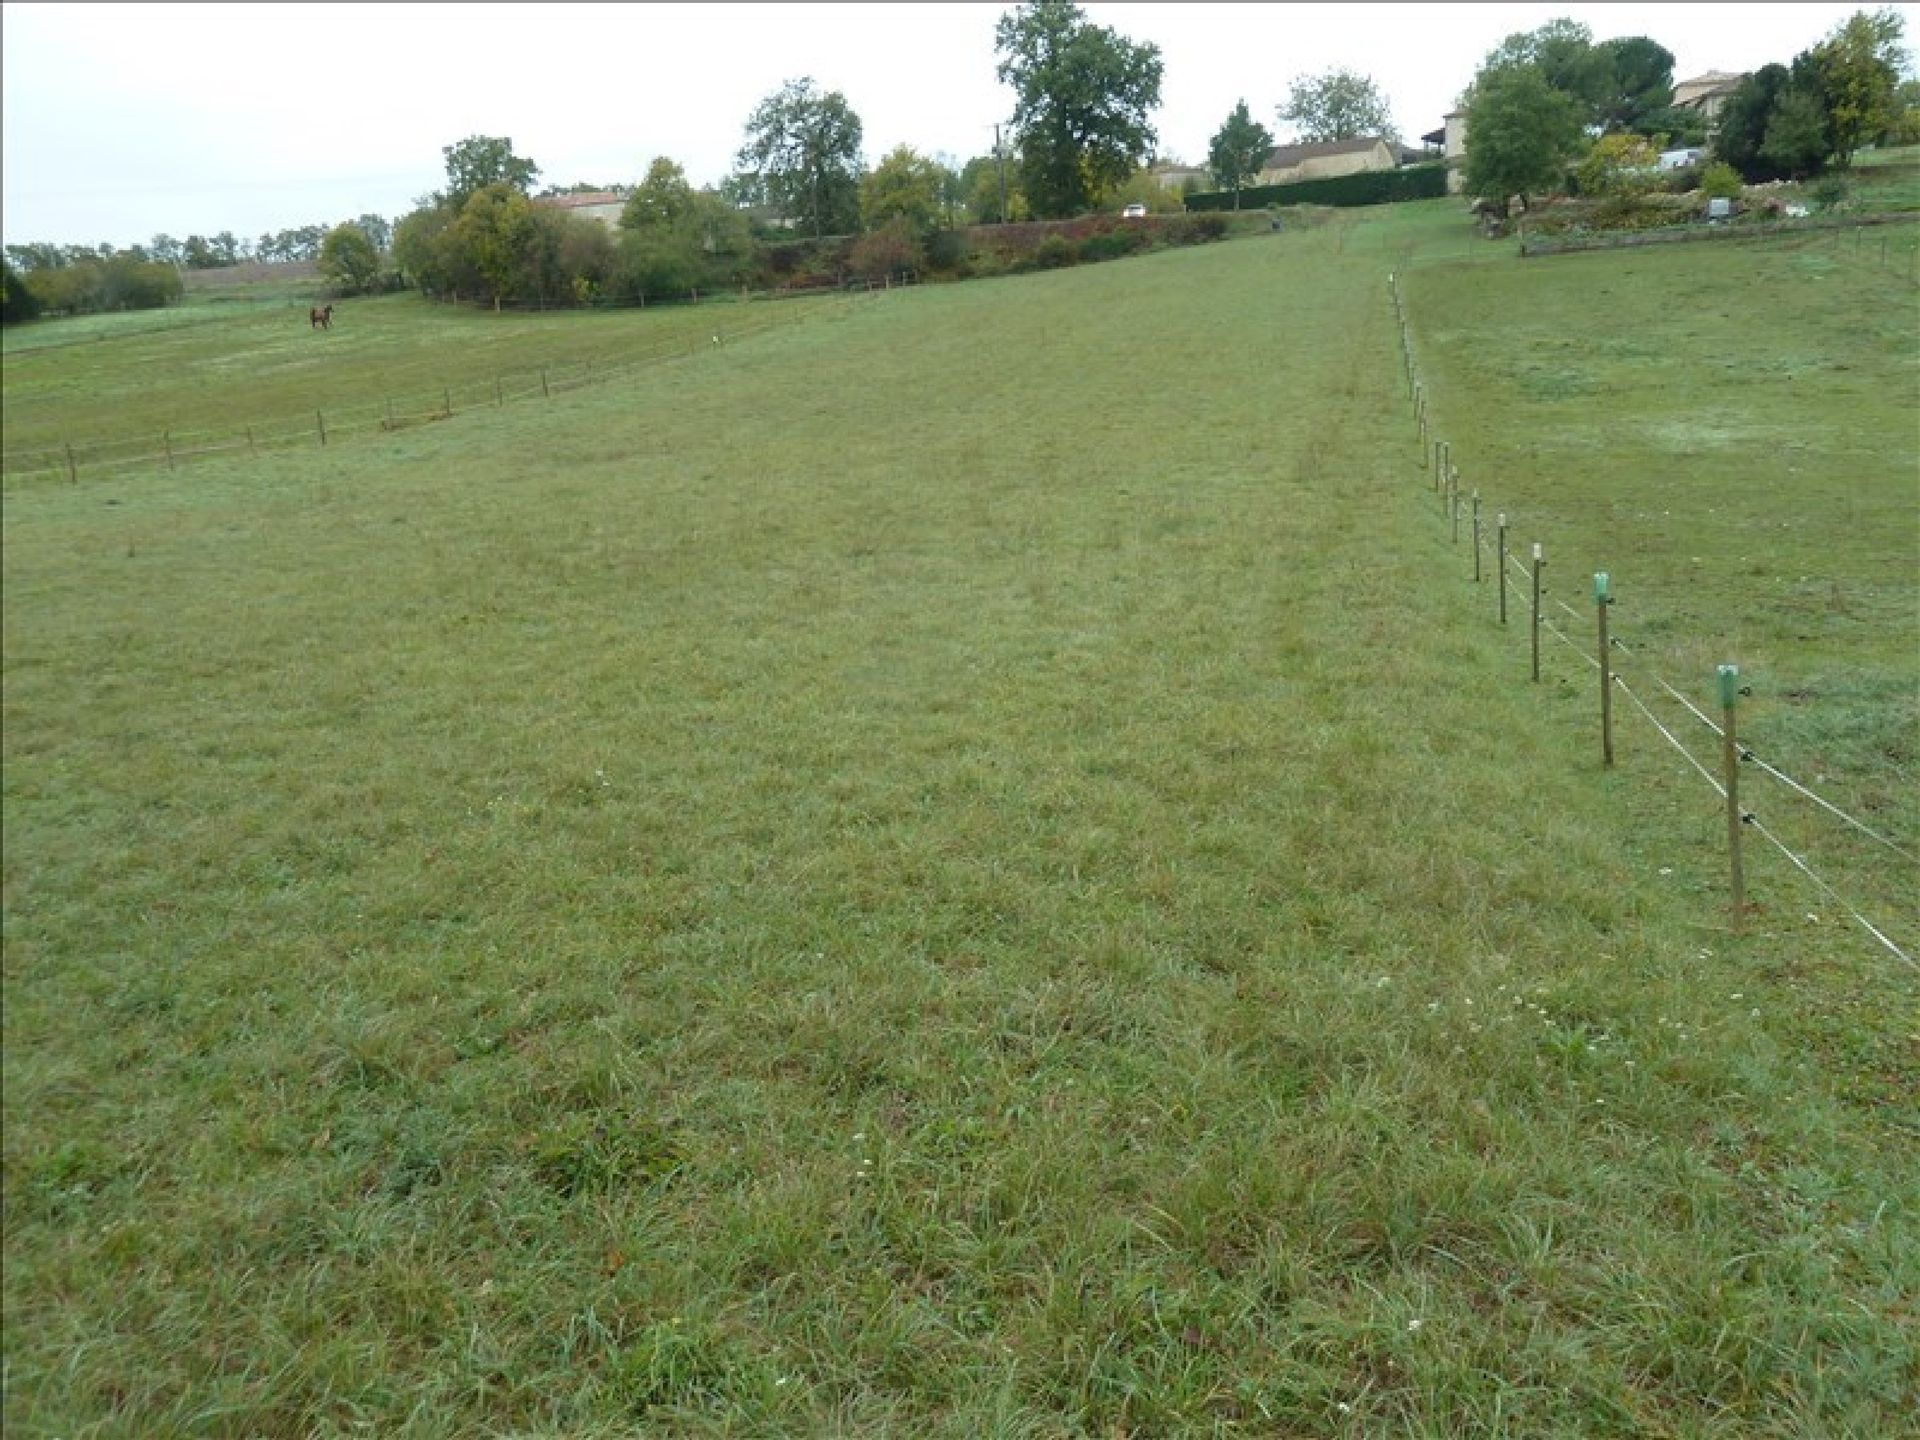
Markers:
{"x": 421, "y": 403}
{"x": 1531, "y": 598}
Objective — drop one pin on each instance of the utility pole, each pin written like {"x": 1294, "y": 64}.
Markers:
{"x": 1002, "y": 159}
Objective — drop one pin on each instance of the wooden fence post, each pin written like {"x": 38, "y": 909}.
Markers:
{"x": 1539, "y": 563}
{"x": 1501, "y": 557}
{"x": 252, "y": 449}
{"x": 1476, "y": 537}
{"x": 1729, "y": 678}
{"x": 499, "y": 396}
{"x": 543, "y": 383}
{"x": 73, "y": 470}
{"x": 322, "y": 420}
{"x": 1602, "y": 599}
{"x": 447, "y": 395}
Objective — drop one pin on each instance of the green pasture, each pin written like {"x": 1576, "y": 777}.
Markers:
{"x": 973, "y": 865}
{"x": 119, "y": 388}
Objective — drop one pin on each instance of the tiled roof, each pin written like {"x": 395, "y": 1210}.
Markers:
{"x": 1284, "y": 157}
{"x": 575, "y": 202}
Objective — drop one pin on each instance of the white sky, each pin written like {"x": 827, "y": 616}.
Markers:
{"x": 124, "y": 121}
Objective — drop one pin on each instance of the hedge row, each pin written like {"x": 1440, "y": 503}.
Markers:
{"x": 1369, "y": 187}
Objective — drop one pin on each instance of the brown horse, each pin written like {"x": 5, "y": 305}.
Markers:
{"x": 321, "y": 319}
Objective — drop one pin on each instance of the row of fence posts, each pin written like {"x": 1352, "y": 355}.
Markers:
{"x": 1436, "y": 456}
{"x": 320, "y": 419}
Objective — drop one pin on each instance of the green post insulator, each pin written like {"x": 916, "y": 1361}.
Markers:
{"x": 1600, "y": 595}
{"x": 1729, "y": 685}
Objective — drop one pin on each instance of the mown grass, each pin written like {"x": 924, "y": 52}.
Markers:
{"x": 976, "y": 870}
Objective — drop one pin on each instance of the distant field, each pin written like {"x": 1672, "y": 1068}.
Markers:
{"x": 976, "y": 865}
{"x": 204, "y": 374}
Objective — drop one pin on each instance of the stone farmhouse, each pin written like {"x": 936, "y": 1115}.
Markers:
{"x": 601, "y": 205}
{"x": 1324, "y": 160}
{"x": 1706, "y": 93}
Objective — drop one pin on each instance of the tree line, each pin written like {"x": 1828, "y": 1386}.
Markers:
{"x": 1550, "y": 110}
{"x": 1542, "y": 105}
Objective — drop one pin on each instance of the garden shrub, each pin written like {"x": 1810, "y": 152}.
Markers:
{"x": 1053, "y": 252}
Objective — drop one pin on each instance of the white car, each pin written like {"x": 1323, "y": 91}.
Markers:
{"x": 1135, "y": 211}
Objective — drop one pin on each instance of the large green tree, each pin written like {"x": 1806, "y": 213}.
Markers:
{"x": 803, "y": 150}
{"x": 482, "y": 160}
{"x": 495, "y": 233}
{"x": 1082, "y": 97}
{"x": 1857, "y": 70}
{"x": 1797, "y": 139}
{"x": 1638, "y": 82}
{"x": 17, "y": 302}
{"x": 1743, "y": 123}
{"x": 1336, "y": 105}
{"x": 980, "y": 184}
{"x": 1563, "y": 53}
{"x": 1521, "y": 132}
{"x": 349, "y": 260}
{"x": 1238, "y": 150}
{"x": 905, "y": 184}
{"x": 674, "y": 238}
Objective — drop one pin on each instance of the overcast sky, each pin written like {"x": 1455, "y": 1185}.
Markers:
{"x": 126, "y": 121}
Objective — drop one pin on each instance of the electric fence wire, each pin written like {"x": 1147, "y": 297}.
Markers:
{"x": 1791, "y": 783}
{"x": 1747, "y": 817}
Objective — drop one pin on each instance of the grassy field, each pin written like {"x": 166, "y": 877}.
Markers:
{"x": 204, "y": 375}
{"x": 977, "y": 869}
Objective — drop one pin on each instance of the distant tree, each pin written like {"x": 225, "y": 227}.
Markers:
{"x": 1678, "y": 127}
{"x": 580, "y": 253}
{"x": 1239, "y": 148}
{"x": 1904, "y": 128}
{"x": 166, "y": 249}
{"x": 1857, "y": 71}
{"x": 1520, "y": 133}
{"x": 1563, "y": 53}
{"x": 91, "y": 281}
{"x": 227, "y": 248}
{"x": 376, "y": 229}
{"x": 907, "y": 185}
{"x": 494, "y": 234}
{"x": 803, "y": 148}
{"x": 1797, "y": 140}
{"x": 1638, "y": 75}
{"x": 349, "y": 261}
{"x": 981, "y": 179}
{"x": 1336, "y": 105}
{"x": 128, "y": 282}
{"x": 1083, "y": 94}
{"x": 17, "y": 302}
{"x": 953, "y": 194}
{"x": 1144, "y": 187}
{"x": 482, "y": 160}
{"x": 675, "y": 238}
{"x": 1743, "y": 122}
{"x": 37, "y": 257}
{"x": 423, "y": 250}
